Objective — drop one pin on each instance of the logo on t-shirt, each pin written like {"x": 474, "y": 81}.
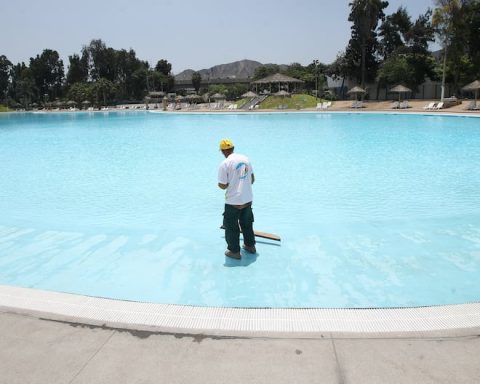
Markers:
{"x": 242, "y": 169}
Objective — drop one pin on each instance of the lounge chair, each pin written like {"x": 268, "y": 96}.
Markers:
{"x": 430, "y": 106}
{"x": 403, "y": 104}
{"x": 439, "y": 106}
{"x": 470, "y": 106}
{"x": 395, "y": 105}
{"x": 319, "y": 105}
{"x": 358, "y": 104}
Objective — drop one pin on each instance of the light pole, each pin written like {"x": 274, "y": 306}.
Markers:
{"x": 316, "y": 78}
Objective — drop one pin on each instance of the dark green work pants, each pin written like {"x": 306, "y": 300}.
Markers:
{"x": 232, "y": 217}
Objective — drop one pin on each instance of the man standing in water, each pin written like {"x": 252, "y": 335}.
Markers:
{"x": 236, "y": 176}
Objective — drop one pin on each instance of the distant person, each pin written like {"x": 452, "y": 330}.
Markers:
{"x": 235, "y": 175}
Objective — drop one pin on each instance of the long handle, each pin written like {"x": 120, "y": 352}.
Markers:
{"x": 264, "y": 235}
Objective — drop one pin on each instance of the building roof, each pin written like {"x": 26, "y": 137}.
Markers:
{"x": 277, "y": 78}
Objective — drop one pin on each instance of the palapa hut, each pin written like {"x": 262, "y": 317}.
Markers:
{"x": 278, "y": 79}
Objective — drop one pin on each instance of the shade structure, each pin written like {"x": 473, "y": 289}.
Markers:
{"x": 218, "y": 96}
{"x": 356, "y": 91}
{"x": 249, "y": 94}
{"x": 474, "y": 86}
{"x": 278, "y": 79}
{"x": 86, "y": 102}
{"x": 71, "y": 102}
{"x": 400, "y": 89}
{"x": 193, "y": 97}
{"x": 282, "y": 93}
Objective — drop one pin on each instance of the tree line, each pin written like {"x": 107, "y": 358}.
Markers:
{"x": 385, "y": 49}
{"x": 99, "y": 75}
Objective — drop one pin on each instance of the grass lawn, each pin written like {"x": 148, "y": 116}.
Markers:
{"x": 294, "y": 102}
{"x": 4, "y": 108}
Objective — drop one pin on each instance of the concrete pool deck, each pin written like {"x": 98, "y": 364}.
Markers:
{"x": 48, "y": 337}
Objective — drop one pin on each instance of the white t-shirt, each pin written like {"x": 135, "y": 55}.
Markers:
{"x": 236, "y": 171}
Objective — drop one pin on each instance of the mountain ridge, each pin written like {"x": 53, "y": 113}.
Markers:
{"x": 241, "y": 69}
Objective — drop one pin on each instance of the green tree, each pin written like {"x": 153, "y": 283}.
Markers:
{"x": 196, "y": 80}
{"x": 472, "y": 21}
{"x": 103, "y": 91}
{"x": 396, "y": 69}
{"x": 404, "y": 46}
{"x": 126, "y": 64}
{"x": 80, "y": 92}
{"x": 139, "y": 83}
{"x": 447, "y": 18}
{"x": 101, "y": 60}
{"x": 163, "y": 66}
{"x": 362, "y": 47}
{"x": 265, "y": 70}
{"x": 48, "y": 73}
{"x": 77, "y": 70}
{"x": 23, "y": 87}
{"x": 393, "y": 32}
{"x": 5, "y": 71}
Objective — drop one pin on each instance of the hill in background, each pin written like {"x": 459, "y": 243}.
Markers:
{"x": 242, "y": 69}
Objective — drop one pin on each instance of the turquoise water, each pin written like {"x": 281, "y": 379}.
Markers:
{"x": 373, "y": 210}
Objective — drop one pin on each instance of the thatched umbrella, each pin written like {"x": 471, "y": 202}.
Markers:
{"x": 249, "y": 94}
{"x": 281, "y": 93}
{"x": 192, "y": 98}
{"x": 218, "y": 96}
{"x": 356, "y": 91}
{"x": 71, "y": 102}
{"x": 400, "y": 89}
{"x": 473, "y": 86}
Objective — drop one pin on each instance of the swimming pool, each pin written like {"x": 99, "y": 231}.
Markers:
{"x": 374, "y": 210}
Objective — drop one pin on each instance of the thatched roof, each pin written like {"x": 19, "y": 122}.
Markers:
{"x": 357, "y": 89}
{"x": 472, "y": 86}
{"x": 277, "y": 78}
{"x": 400, "y": 89}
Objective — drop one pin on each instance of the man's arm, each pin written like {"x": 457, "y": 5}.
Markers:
{"x": 223, "y": 186}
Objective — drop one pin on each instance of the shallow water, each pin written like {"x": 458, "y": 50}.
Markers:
{"x": 373, "y": 210}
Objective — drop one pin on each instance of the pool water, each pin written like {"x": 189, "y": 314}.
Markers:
{"x": 374, "y": 210}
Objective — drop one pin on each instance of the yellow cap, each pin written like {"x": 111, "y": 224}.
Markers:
{"x": 226, "y": 144}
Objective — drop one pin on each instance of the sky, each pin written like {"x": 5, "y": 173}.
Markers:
{"x": 189, "y": 34}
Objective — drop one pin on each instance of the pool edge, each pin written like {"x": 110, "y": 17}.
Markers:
{"x": 138, "y": 315}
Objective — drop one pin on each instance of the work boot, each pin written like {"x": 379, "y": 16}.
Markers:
{"x": 233, "y": 255}
{"x": 250, "y": 249}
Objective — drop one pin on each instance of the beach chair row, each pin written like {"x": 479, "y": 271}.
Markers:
{"x": 324, "y": 105}
{"x": 400, "y": 105}
{"x": 434, "y": 106}
{"x": 357, "y": 104}
{"x": 473, "y": 106}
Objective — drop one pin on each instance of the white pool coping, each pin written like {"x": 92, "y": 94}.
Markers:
{"x": 217, "y": 319}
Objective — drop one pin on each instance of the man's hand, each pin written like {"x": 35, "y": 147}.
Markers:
{"x": 223, "y": 186}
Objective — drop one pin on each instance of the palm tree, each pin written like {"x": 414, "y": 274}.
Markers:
{"x": 365, "y": 15}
